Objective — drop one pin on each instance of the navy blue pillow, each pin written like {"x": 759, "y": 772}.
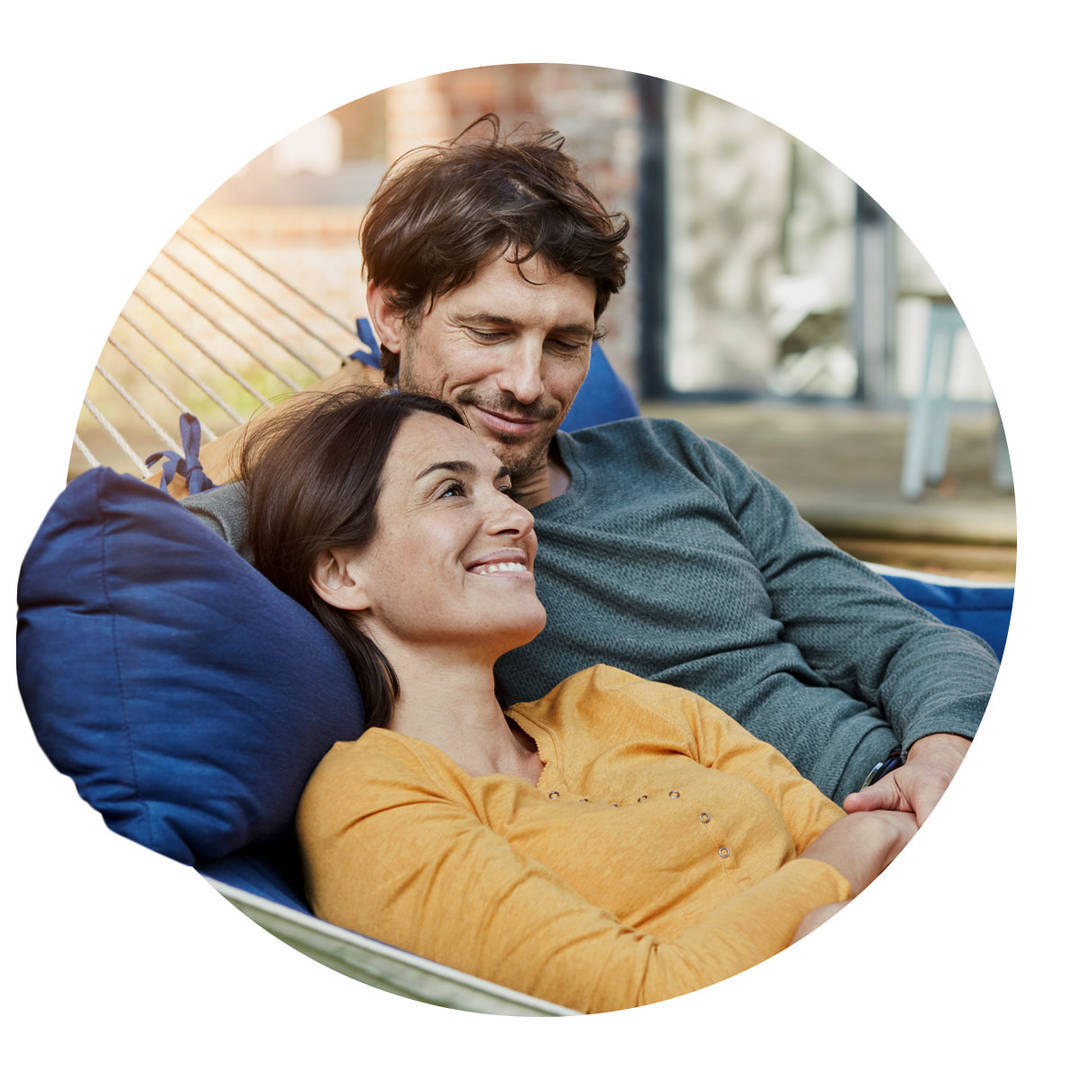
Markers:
{"x": 983, "y": 609}
{"x": 187, "y": 697}
{"x": 603, "y": 396}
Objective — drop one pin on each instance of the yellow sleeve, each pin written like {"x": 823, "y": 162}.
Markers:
{"x": 399, "y": 859}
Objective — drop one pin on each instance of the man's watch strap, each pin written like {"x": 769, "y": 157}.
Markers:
{"x": 883, "y": 768}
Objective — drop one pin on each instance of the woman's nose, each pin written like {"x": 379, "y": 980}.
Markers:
{"x": 506, "y": 516}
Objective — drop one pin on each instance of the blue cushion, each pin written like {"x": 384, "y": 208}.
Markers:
{"x": 603, "y": 395}
{"x": 187, "y": 697}
{"x": 272, "y": 871}
{"x": 982, "y": 609}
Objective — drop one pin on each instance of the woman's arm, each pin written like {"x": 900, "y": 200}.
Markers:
{"x": 722, "y": 743}
{"x": 396, "y": 855}
{"x": 817, "y": 917}
{"x": 860, "y": 846}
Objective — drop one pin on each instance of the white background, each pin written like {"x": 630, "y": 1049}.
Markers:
{"x": 959, "y": 119}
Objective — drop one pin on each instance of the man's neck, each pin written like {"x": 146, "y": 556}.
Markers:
{"x": 549, "y": 481}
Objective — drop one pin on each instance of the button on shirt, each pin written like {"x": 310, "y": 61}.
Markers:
{"x": 498, "y": 877}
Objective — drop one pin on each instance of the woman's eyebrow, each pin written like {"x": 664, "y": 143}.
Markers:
{"x": 450, "y": 466}
{"x": 465, "y": 467}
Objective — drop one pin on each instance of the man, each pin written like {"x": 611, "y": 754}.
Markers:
{"x": 489, "y": 263}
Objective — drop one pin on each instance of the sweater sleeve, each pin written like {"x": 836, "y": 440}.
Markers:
{"x": 721, "y": 743}
{"x": 852, "y": 627}
{"x": 401, "y": 859}
{"x": 223, "y": 510}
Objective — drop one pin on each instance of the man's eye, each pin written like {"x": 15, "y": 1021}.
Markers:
{"x": 487, "y": 335}
{"x": 570, "y": 348}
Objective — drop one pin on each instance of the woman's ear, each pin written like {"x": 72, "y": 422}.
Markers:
{"x": 338, "y": 579}
{"x": 387, "y": 321}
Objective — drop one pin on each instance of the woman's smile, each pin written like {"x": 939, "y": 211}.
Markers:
{"x": 505, "y": 563}
{"x": 446, "y": 520}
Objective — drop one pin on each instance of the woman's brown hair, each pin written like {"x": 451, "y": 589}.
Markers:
{"x": 312, "y": 477}
{"x": 440, "y": 211}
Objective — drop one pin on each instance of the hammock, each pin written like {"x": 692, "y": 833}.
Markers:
{"x": 212, "y": 332}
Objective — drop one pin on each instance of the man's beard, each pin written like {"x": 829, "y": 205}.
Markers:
{"x": 522, "y": 461}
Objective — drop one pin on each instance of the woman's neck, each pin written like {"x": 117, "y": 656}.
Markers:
{"x": 450, "y": 702}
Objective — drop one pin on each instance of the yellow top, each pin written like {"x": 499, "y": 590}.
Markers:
{"x": 655, "y": 855}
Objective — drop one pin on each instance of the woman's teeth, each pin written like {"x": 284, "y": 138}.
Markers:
{"x": 499, "y": 568}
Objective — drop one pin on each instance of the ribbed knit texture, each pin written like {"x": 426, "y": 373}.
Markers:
{"x": 671, "y": 558}
{"x": 656, "y": 854}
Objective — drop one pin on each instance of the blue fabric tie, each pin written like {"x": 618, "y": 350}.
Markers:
{"x": 370, "y": 353}
{"x": 187, "y": 466}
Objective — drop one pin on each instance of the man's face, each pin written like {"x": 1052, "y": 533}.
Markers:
{"x": 511, "y": 353}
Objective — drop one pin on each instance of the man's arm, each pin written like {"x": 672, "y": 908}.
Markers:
{"x": 390, "y": 854}
{"x": 930, "y": 681}
{"x": 220, "y": 459}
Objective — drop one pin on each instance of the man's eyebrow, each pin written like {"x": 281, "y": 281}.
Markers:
{"x": 491, "y": 319}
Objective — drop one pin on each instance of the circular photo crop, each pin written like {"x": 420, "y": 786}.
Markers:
{"x": 538, "y": 539}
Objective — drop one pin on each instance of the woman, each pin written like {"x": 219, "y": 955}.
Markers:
{"x": 615, "y": 843}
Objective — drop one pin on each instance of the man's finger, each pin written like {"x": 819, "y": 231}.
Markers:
{"x": 923, "y": 793}
{"x": 884, "y": 795}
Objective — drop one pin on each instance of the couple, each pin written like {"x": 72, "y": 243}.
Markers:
{"x": 660, "y": 554}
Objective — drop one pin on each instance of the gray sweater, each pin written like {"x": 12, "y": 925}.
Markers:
{"x": 672, "y": 559}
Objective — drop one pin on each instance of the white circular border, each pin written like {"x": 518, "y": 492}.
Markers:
{"x": 958, "y": 122}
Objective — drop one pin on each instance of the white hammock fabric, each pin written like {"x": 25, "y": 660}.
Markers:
{"x": 209, "y": 330}
{"x": 384, "y": 966}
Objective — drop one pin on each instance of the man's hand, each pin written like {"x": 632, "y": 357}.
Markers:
{"x": 220, "y": 458}
{"x": 917, "y": 785}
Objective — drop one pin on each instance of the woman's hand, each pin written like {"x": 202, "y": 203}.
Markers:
{"x": 861, "y": 845}
{"x": 813, "y": 919}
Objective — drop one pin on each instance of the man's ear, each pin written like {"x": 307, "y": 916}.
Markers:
{"x": 386, "y": 319}
{"x": 338, "y": 578}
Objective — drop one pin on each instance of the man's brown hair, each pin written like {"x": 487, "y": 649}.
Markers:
{"x": 440, "y": 211}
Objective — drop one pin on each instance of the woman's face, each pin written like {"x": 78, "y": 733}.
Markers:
{"x": 452, "y": 557}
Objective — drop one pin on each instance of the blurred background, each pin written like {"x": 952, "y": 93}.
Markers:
{"x": 771, "y": 305}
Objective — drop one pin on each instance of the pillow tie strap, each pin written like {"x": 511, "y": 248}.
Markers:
{"x": 371, "y": 352}
{"x": 187, "y": 466}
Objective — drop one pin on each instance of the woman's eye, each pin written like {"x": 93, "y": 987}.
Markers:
{"x": 453, "y": 488}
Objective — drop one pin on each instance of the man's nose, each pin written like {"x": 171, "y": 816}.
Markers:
{"x": 522, "y": 375}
